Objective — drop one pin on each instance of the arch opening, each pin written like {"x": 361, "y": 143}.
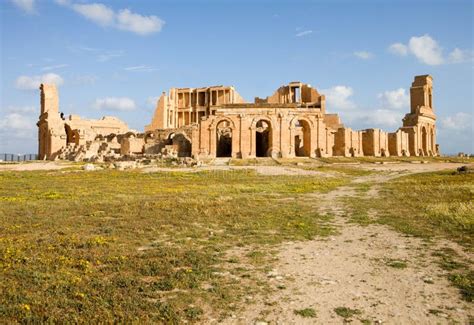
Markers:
{"x": 72, "y": 136}
{"x": 302, "y": 139}
{"x": 263, "y": 138}
{"x": 180, "y": 143}
{"x": 433, "y": 144}
{"x": 352, "y": 152}
{"x": 424, "y": 141}
{"x": 224, "y": 139}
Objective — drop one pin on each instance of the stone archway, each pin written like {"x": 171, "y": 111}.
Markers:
{"x": 72, "y": 136}
{"x": 352, "y": 152}
{"x": 223, "y": 139}
{"x": 424, "y": 141}
{"x": 302, "y": 138}
{"x": 263, "y": 138}
{"x": 181, "y": 144}
{"x": 432, "y": 142}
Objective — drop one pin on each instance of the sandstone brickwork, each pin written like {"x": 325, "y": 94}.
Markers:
{"x": 216, "y": 121}
{"x": 73, "y": 137}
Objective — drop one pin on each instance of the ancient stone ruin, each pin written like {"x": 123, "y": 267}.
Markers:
{"x": 217, "y": 122}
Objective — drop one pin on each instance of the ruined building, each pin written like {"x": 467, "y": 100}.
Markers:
{"x": 217, "y": 122}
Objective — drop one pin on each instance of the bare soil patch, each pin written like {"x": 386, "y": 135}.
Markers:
{"x": 365, "y": 274}
{"x": 37, "y": 165}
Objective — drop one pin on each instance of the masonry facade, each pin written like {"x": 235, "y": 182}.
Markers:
{"x": 216, "y": 121}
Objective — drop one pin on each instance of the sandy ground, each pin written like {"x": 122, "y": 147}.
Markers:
{"x": 34, "y": 165}
{"x": 350, "y": 270}
{"x": 221, "y": 165}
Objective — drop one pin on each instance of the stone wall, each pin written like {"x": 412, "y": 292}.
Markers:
{"x": 216, "y": 122}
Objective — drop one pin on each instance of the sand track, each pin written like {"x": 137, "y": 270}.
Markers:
{"x": 351, "y": 269}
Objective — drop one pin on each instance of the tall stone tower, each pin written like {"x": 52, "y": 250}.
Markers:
{"x": 51, "y": 130}
{"x": 420, "y": 122}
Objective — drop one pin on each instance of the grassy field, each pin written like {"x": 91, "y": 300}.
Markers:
{"x": 429, "y": 205}
{"x": 127, "y": 246}
{"x": 110, "y": 246}
{"x": 425, "y": 204}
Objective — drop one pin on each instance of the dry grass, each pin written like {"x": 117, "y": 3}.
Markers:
{"x": 112, "y": 246}
{"x": 428, "y": 205}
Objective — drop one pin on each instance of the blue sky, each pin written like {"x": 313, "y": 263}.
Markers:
{"x": 116, "y": 57}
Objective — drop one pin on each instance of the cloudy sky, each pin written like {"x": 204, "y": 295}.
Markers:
{"x": 116, "y": 57}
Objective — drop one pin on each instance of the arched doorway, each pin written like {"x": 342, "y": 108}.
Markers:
{"x": 224, "y": 139}
{"x": 352, "y": 152}
{"x": 263, "y": 138}
{"x": 433, "y": 144}
{"x": 181, "y": 144}
{"x": 424, "y": 141}
{"x": 72, "y": 136}
{"x": 302, "y": 139}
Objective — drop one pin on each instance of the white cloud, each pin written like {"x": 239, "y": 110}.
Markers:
{"x": 372, "y": 118}
{"x": 16, "y": 121}
{"x": 304, "y": 33}
{"x": 123, "y": 19}
{"x": 17, "y": 126}
{"x": 53, "y": 67}
{"x": 426, "y": 49}
{"x": 33, "y": 82}
{"x": 140, "y": 68}
{"x": 395, "y": 99}
{"x": 460, "y": 56}
{"x": 115, "y": 104}
{"x": 142, "y": 25}
{"x": 398, "y": 49}
{"x": 338, "y": 97}
{"x": 383, "y": 118}
{"x": 459, "y": 121}
{"x": 364, "y": 55}
{"x": 96, "y": 12}
{"x": 27, "y": 6}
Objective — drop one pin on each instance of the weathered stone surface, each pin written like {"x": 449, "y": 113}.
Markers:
{"x": 215, "y": 122}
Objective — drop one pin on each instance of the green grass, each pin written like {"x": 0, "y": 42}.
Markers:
{"x": 351, "y": 160}
{"x": 346, "y": 312}
{"x": 425, "y": 204}
{"x": 307, "y": 312}
{"x": 110, "y": 246}
{"x": 465, "y": 282}
{"x": 396, "y": 264}
{"x": 428, "y": 205}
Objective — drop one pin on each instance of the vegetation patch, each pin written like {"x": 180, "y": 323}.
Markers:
{"x": 307, "y": 312}
{"x": 346, "y": 312}
{"x": 396, "y": 264}
{"x": 131, "y": 247}
{"x": 465, "y": 283}
{"x": 424, "y": 204}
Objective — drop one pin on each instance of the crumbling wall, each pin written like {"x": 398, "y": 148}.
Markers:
{"x": 398, "y": 143}
{"x": 132, "y": 146}
{"x": 51, "y": 131}
{"x": 181, "y": 140}
{"x": 375, "y": 143}
{"x": 348, "y": 143}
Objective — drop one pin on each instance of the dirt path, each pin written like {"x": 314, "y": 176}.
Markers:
{"x": 35, "y": 165}
{"x": 357, "y": 269}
